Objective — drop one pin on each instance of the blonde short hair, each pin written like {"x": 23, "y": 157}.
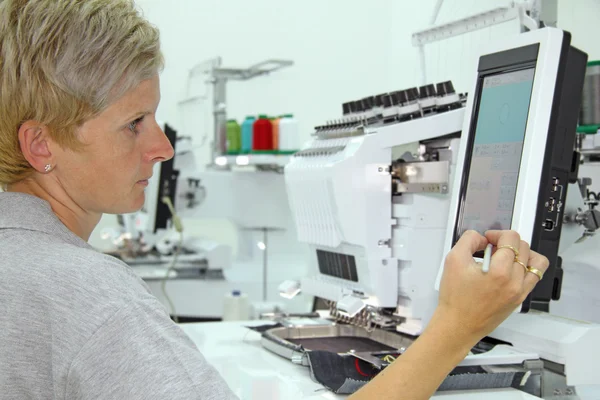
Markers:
{"x": 64, "y": 61}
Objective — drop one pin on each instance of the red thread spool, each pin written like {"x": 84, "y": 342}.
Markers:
{"x": 262, "y": 138}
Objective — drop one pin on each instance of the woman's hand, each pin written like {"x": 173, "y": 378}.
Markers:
{"x": 474, "y": 302}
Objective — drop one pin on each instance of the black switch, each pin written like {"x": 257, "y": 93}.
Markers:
{"x": 346, "y": 108}
{"x": 358, "y": 106}
{"x": 368, "y": 103}
{"x": 387, "y": 101}
{"x": 445, "y": 88}
{"x": 379, "y": 99}
{"x": 412, "y": 94}
{"x": 427, "y": 91}
{"x": 395, "y": 98}
{"x": 402, "y": 97}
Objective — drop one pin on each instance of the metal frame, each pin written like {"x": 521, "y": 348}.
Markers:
{"x": 219, "y": 76}
{"x": 528, "y": 13}
{"x": 276, "y": 340}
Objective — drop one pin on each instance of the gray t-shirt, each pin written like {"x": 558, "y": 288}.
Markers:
{"x": 77, "y": 324}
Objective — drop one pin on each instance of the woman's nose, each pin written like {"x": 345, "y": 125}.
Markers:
{"x": 161, "y": 148}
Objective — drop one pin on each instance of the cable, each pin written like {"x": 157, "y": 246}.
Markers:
{"x": 179, "y": 228}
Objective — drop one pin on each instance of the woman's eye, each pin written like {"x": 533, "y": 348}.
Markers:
{"x": 133, "y": 125}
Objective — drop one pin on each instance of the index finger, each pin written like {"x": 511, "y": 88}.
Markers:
{"x": 494, "y": 236}
{"x": 471, "y": 242}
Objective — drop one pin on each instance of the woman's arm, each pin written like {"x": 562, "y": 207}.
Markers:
{"x": 471, "y": 305}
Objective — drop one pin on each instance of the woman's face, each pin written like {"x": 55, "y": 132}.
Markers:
{"x": 122, "y": 145}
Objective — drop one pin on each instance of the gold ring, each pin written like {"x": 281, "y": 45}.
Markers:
{"x": 536, "y": 271}
{"x": 508, "y": 246}
{"x": 521, "y": 263}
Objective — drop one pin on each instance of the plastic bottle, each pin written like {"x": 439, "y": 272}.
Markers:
{"x": 234, "y": 137}
{"x": 276, "y": 132}
{"x": 247, "y": 134}
{"x": 236, "y": 307}
{"x": 288, "y": 134}
{"x": 262, "y": 136}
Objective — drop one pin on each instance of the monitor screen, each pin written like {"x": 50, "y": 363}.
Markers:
{"x": 167, "y": 185}
{"x": 495, "y": 158}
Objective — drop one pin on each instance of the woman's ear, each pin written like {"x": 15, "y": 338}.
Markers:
{"x": 34, "y": 141}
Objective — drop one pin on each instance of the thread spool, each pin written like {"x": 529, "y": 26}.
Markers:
{"x": 236, "y": 306}
{"x": 262, "y": 136}
{"x": 288, "y": 133}
{"x": 234, "y": 137}
{"x": 247, "y": 131}
{"x": 590, "y": 99}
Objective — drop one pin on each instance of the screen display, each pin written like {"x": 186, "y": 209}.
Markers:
{"x": 496, "y": 151}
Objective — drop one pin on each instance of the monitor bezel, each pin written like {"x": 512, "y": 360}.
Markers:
{"x": 552, "y": 46}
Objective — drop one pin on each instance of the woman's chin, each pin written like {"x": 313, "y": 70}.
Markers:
{"x": 127, "y": 207}
{"x": 138, "y": 203}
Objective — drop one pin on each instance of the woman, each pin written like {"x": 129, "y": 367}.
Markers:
{"x": 78, "y": 138}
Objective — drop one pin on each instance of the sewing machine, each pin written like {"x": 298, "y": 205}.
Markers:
{"x": 381, "y": 195}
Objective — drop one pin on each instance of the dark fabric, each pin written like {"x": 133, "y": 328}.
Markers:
{"x": 345, "y": 374}
{"x": 481, "y": 381}
{"x": 337, "y": 373}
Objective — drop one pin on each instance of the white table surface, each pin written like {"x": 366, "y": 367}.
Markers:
{"x": 255, "y": 373}
{"x": 204, "y": 298}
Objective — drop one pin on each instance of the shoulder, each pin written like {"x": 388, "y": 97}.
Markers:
{"x": 69, "y": 289}
{"x": 140, "y": 342}
{"x": 70, "y": 267}
{"x": 102, "y": 274}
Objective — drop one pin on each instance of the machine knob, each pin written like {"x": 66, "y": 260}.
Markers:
{"x": 298, "y": 358}
{"x": 352, "y": 107}
{"x": 412, "y": 94}
{"x": 591, "y": 220}
{"x": 387, "y": 100}
{"x": 402, "y": 96}
{"x": 396, "y": 98}
{"x": 358, "y": 106}
{"x": 585, "y": 181}
{"x": 379, "y": 99}
{"x": 427, "y": 91}
{"x": 346, "y": 108}
{"x": 368, "y": 103}
{"x": 445, "y": 88}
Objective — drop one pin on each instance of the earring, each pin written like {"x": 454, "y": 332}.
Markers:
{"x": 48, "y": 167}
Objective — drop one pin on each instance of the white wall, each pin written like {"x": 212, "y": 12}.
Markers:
{"x": 342, "y": 50}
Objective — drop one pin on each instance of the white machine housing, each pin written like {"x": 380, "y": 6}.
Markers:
{"x": 384, "y": 252}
